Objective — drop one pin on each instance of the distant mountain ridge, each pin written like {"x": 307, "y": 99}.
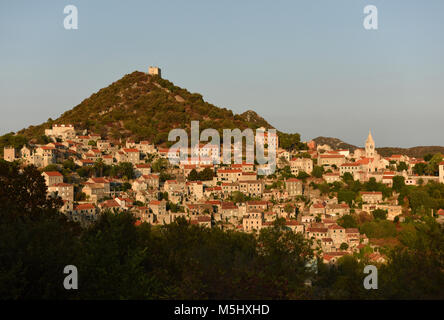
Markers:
{"x": 416, "y": 152}
{"x": 334, "y": 143}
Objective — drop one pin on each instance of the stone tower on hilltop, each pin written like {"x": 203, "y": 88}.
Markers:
{"x": 154, "y": 71}
{"x": 370, "y": 146}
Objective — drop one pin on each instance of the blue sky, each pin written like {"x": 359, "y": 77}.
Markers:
{"x": 306, "y": 66}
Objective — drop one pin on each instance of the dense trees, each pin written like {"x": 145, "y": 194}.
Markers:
{"x": 123, "y": 170}
{"x": 420, "y": 260}
{"x": 118, "y": 260}
{"x": 285, "y": 173}
{"x": 349, "y": 191}
{"x": 34, "y": 239}
{"x": 302, "y": 175}
{"x": 378, "y": 229}
{"x": 159, "y": 165}
{"x": 318, "y": 171}
{"x": 402, "y": 166}
{"x": 423, "y": 199}
{"x": 420, "y": 168}
{"x": 291, "y": 141}
{"x": 346, "y": 196}
{"x": 347, "y": 221}
{"x": 380, "y": 214}
{"x": 205, "y": 174}
{"x": 398, "y": 183}
{"x": 9, "y": 139}
{"x": 433, "y": 165}
{"x": 237, "y": 196}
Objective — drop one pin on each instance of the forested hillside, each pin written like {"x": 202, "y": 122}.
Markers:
{"x": 144, "y": 107}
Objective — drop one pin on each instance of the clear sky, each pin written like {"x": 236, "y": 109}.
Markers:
{"x": 306, "y": 66}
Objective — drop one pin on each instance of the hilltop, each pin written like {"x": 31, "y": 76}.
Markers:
{"x": 146, "y": 107}
{"x": 141, "y": 106}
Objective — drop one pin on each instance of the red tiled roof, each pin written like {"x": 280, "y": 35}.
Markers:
{"x": 240, "y": 165}
{"x": 327, "y": 156}
{"x": 110, "y": 204}
{"x": 229, "y": 171}
{"x": 292, "y": 223}
{"x": 350, "y": 164}
{"x": 87, "y": 161}
{"x": 203, "y": 218}
{"x": 99, "y": 180}
{"x": 130, "y": 150}
{"x": 335, "y": 226}
{"x": 62, "y": 185}
{"x": 85, "y": 206}
{"x": 226, "y": 205}
{"x": 150, "y": 176}
{"x": 371, "y": 192}
{"x": 312, "y": 229}
{"x": 261, "y": 203}
{"x": 214, "y": 202}
{"x": 144, "y": 165}
{"x": 53, "y": 174}
{"x": 330, "y": 255}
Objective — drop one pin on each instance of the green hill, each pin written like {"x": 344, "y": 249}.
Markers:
{"x": 144, "y": 107}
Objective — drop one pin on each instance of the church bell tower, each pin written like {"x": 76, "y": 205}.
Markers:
{"x": 370, "y": 146}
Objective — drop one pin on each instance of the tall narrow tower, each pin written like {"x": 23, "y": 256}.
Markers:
{"x": 441, "y": 172}
{"x": 370, "y": 146}
{"x": 9, "y": 153}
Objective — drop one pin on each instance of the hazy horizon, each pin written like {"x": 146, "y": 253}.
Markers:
{"x": 307, "y": 66}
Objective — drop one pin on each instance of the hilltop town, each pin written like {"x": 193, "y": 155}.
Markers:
{"x": 93, "y": 175}
{"x": 212, "y": 159}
